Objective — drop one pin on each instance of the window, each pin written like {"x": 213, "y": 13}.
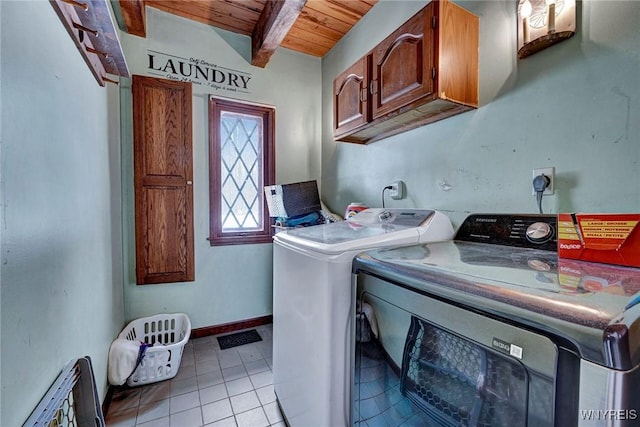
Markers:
{"x": 241, "y": 163}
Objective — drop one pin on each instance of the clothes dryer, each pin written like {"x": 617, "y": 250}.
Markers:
{"x": 491, "y": 328}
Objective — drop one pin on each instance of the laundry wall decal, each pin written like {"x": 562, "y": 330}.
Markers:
{"x": 197, "y": 71}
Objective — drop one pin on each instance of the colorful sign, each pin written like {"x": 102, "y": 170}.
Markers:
{"x": 607, "y": 238}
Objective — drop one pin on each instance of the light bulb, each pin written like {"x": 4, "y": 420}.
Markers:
{"x": 526, "y": 9}
{"x": 525, "y": 12}
{"x": 551, "y": 16}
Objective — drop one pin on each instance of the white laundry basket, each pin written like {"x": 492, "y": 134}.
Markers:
{"x": 167, "y": 334}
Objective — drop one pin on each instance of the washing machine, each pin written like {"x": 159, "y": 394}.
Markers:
{"x": 314, "y": 302}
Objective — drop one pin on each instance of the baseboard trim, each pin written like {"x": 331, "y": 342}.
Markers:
{"x": 106, "y": 403}
{"x": 231, "y": 327}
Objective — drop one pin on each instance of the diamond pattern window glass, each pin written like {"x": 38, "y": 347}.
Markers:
{"x": 240, "y": 136}
{"x": 241, "y": 164}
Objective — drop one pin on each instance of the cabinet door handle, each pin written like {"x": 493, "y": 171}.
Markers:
{"x": 363, "y": 95}
{"x": 373, "y": 87}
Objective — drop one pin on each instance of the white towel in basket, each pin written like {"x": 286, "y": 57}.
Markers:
{"x": 123, "y": 355}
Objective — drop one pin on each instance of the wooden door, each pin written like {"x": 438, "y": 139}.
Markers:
{"x": 350, "y": 100}
{"x": 163, "y": 179}
{"x": 403, "y": 64}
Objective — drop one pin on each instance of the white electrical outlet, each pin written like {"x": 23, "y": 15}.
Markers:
{"x": 397, "y": 190}
{"x": 549, "y": 173}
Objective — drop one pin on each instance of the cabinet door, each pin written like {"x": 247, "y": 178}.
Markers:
{"x": 403, "y": 64}
{"x": 163, "y": 178}
{"x": 350, "y": 100}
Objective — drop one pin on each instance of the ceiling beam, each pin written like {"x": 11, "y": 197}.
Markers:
{"x": 134, "y": 16}
{"x": 273, "y": 25}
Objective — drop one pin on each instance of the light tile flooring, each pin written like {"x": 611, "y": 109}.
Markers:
{"x": 213, "y": 387}
{"x": 378, "y": 401}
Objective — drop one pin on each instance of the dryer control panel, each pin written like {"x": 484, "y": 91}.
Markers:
{"x": 520, "y": 230}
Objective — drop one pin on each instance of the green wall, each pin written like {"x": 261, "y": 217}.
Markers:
{"x": 61, "y": 261}
{"x": 574, "y": 106}
{"x": 67, "y": 165}
{"x": 232, "y": 283}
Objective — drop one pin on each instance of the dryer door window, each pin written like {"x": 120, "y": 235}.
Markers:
{"x": 459, "y": 382}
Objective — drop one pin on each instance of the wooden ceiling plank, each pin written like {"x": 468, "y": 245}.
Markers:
{"x": 334, "y": 10}
{"x": 275, "y": 22}
{"x": 230, "y": 15}
{"x": 303, "y": 24}
{"x": 255, "y": 6}
{"x": 234, "y": 9}
{"x": 203, "y": 14}
{"x": 311, "y": 39}
{"x": 316, "y": 31}
{"x": 302, "y": 46}
{"x": 307, "y": 26}
{"x": 134, "y": 16}
{"x": 321, "y": 19}
{"x": 359, "y": 7}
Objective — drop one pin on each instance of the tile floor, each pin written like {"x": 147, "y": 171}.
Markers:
{"x": 213, "y": 387}
{"x": 378, "y": 401}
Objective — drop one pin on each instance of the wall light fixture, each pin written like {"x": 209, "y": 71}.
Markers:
{"x": 542, "y": 23}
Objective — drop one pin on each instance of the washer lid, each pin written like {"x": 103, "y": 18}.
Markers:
{"x": 370, "y": 228}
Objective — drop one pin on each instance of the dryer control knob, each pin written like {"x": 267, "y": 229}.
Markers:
{"x": 539, "y": 232}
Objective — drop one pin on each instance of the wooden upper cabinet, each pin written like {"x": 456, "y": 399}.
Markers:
{"x": 458, "y": 43}
{"x": 350, "y": 97}
{"x": 163, "y": 179}
{"x": 423, "y": 72}
{"x": 403, "y": 64}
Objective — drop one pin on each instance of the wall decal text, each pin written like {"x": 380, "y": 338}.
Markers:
{"x": 197, "y": 71}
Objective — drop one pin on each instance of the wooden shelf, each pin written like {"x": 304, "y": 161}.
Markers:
{"x": 89, "y": 24}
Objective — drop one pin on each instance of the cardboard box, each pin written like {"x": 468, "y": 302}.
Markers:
{"x": 291, "y": 200}
{"x": 605, "y": 238}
